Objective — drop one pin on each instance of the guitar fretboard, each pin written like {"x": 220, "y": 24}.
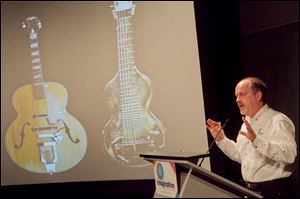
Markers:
{"x": 130, "y": 99}
{"x": 38, "y": 84}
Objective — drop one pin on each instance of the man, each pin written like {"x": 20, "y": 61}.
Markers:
{"x": 265, "y": 146}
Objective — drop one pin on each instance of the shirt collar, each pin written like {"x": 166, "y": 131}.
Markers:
{"x": 258, "y": 114}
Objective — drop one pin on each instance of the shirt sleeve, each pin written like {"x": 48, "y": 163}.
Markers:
{"x": 279, "y": 144}
{"x": 230, "y": 148}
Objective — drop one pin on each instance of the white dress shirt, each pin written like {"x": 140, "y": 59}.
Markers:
{"x": 274, "y": 148}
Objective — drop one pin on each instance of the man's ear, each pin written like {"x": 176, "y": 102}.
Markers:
{"x": 258, "y": 95}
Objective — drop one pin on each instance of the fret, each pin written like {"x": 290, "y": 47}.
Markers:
{"x": 33, "y": 36}
{"x": 132, "y": 108}
{"x": 35, "y": 53}
{"x": 38, "y": 76}
{"x": 125, "y": 23}
{"x": 34, "y": 45}
{"x": 127, "y": 89}
{"x": 128, "y": 79}
{"x": 132, "y": 101}
{"x": 126, "y": 100}
{"x": 36, "y": 70}
{"x": 37, "y": 67}
{"x": 124, "y": 40}
{"x": 126, "y": 49}
{"x": 129, "y": 51}
{"x": 35, "y": 61}
{"x": 126, "y": 68}
{"x": 127, "y": 46}
{"x": 36, "y": 84}
{"x": 128, "y": 122}
{"x": 132, "y": 89}
{"x": 125, "y": 17}
{"x": 127, "y": 54}
{"x": 130, "y": 112}
{"x": 127, "y": 31}
{"x": 126, "y": 58}
{"x": 131, "y": 121}
{"x": 125, "y": 107}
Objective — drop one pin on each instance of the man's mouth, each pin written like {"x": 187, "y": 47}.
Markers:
{"x": 241, "y": 106}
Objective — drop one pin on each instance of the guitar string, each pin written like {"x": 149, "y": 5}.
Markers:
{"x": 127, "y": 117}
{"x": 127, "y": 80}
{"x": 135, "y": 111}
{"x": 39, "y": 87}
{"x": 124, "y": 83}
{"x": 36, "y": 94}
{"x": 132, "y": 95}
{"x": 120, "y": 75}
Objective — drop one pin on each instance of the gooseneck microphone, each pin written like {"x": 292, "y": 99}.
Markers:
{"x": 213, "y": 142}
{"x": 200, "y": 162}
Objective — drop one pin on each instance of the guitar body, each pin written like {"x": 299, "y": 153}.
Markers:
{"x": 125, "y": 138}
{"x": 45, "y": 138}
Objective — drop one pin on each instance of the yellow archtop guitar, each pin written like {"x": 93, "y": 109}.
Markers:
{"x": 44, "y": 137}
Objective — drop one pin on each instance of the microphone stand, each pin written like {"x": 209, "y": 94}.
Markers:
{"x": 199, "y": 163}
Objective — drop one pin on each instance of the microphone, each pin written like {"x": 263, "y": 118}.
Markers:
{"x": 212, "y": 143}
{"x": 199, "y": 163}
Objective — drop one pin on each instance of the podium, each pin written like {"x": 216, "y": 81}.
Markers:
{"x": 202, "y": 182}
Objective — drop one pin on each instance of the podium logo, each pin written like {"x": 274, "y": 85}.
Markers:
{"x": 160, "y": 171}
{"x": 165, "y": 179}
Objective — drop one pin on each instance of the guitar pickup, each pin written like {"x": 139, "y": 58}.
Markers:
{"x": 57, "y": 137}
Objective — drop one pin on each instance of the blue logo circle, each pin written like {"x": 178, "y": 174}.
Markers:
{"x": 160, "y": 171}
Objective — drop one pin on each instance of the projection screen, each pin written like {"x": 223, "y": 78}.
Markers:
{"x": 87, "y": 86}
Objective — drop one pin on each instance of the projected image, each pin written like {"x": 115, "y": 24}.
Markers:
{"x": 124, "y": 75}
{"x": 44, "y": 138}
{"x": 132, "y": 127}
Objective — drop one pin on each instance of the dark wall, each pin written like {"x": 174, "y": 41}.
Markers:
{"x": 238, "y": 39}
{"x": 221, "y": 68}
{"x": 270, "y": 44}
{"x": 257, "y": 16}
{"x": 273, "y": 55}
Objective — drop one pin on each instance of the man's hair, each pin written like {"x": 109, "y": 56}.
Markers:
{"x": 257, "y": 84}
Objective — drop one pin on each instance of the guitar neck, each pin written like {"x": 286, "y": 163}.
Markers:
{"x": 38, "y": 84}
{"x": 125, "y": 39}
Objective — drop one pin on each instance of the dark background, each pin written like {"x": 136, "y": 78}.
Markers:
{"x": 235, "y": 39}
{"x": 248, "y": 38}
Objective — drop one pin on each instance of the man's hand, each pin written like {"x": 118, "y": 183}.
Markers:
{"x": 214, "y": 127}
{"x": 250, "y": 134}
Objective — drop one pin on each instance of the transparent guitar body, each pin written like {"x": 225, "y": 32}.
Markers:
{"x": 132, "y": 127}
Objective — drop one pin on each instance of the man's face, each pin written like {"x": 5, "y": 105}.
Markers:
{"x": 247, "y": 101}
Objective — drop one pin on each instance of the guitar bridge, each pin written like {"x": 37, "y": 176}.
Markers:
{"x": 132, "y": 147}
